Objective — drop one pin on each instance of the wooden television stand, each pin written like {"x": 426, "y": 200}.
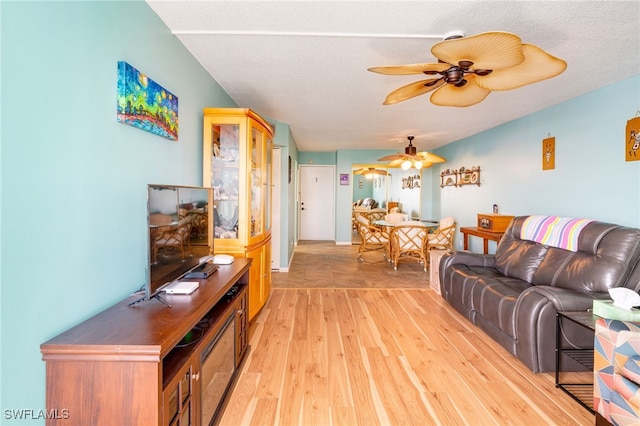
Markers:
{"x": 143, "y": 364}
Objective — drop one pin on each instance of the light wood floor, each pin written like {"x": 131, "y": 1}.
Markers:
{"x": 384, "y": 355}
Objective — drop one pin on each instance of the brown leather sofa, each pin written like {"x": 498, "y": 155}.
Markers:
{"x": 514, "y": 295}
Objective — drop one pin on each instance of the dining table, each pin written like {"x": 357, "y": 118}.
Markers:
{"x": 432, "y": 225}
{"x": 427, "y": 223}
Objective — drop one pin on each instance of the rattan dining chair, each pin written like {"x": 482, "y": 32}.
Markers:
{"x": 442, "y": 237}
{"x": 372, "y": 238}
{"x": 408, "y": 240}
{"x": 376, "y": 214}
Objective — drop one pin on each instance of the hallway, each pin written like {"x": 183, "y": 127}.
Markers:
{"x": 323, "y": 264}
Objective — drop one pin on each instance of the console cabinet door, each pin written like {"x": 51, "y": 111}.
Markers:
{"x": 242, "y": 324}
{"x": 179, "y": 397}
{"x": 256, "y": 281}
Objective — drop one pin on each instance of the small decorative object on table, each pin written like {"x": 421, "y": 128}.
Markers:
{"x": 493, "y": 222}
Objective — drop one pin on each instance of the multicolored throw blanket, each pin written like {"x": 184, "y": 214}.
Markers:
{"x": 554, "y": 231}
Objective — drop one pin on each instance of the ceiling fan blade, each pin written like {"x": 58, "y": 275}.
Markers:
{"x": 412, "y": 90}
{"x": 390, "y": 157}
{"x": 467, "y": 95}
{"x": 411, "y": 69}
{"x": 379, "y": 172}
{"x": 370, "y": 170}
{"x": 430, "y": 157}
{"x": 492, "y": 50}
{"x": 538, "y": 65}
{"x": 396, "y": 162}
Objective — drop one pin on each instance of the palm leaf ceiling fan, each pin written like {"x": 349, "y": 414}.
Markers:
{"x": 472, "y": 67}
{"x": 411, "y": 157}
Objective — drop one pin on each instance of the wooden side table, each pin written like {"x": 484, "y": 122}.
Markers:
{"x": 485, "y": 235}
{"x": 434, "y": 268}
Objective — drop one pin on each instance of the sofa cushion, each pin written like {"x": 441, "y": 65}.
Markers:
{"x": 603, "y": 261}
{"x": 519, "y": 259}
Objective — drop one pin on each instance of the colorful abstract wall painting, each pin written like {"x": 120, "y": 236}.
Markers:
{"x": 145, "y": 104}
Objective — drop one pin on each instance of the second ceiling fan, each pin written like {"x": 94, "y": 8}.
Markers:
{"x": 469, "y": 68}
{"x": 412, "y": 158}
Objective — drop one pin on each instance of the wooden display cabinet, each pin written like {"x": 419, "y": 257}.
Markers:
{"x": 238, "y": 152}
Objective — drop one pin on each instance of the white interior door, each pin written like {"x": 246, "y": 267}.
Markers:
{"x": 317, "y": 202}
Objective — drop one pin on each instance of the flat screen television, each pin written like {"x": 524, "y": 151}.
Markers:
{"x": 179, "y": 220}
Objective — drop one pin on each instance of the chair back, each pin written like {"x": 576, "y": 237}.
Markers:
{"x": 409, "y": 236}
{"x": 446, "y": 222}
{"x": 442, "y": 238}
{"x": 395, "y": 217}
{"x": 376, "y": 214}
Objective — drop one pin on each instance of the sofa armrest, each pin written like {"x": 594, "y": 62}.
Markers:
{"x": 466, "y": 258}
{"x": 568, "y": 300}
{"x": 535, "y": 324}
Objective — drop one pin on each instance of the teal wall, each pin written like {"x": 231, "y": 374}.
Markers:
{"x": 317, "y": 158}
{"x": 591, "y": 178}
{"x": 288, "y": 212}
{"x": 73, "y": 179}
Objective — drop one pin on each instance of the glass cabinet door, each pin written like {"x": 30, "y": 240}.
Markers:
{"x": 257, "y": 190}
{"x": 225, "y": 179}
{"x": 267, "y": 186}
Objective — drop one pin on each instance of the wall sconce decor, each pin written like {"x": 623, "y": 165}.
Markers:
{"x": 632, "y": 136}
{"x": 460, "y": 177}
{"x": 549, "y": 153}
{"x": 411, "y": 182}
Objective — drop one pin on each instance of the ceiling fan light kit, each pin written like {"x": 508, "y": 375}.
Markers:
{"x": 370, "y": 172}
{"x": 470, "y": 68}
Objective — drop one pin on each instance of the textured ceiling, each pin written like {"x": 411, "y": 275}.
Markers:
{"x": 305, "y": 63}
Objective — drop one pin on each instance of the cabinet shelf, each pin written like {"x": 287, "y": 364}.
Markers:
{"x": 582, "y": 356}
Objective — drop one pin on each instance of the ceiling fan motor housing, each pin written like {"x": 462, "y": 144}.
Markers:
{"x": 410, "y": 150}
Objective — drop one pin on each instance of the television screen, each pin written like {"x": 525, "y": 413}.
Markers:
{"x": 179, "y": 234}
